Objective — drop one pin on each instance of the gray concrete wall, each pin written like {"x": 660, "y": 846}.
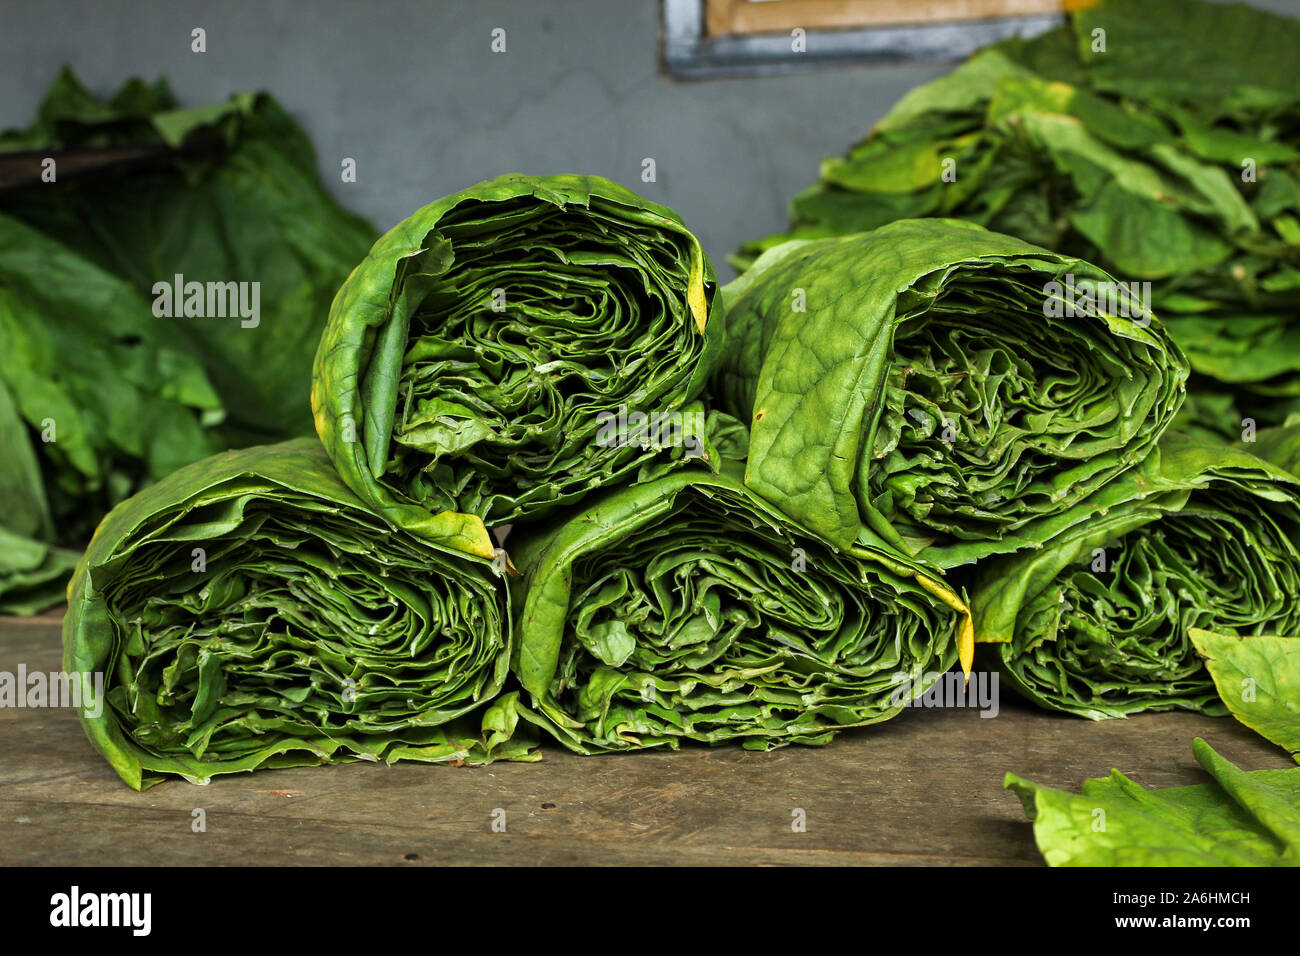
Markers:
{"x": 412, "y": 91}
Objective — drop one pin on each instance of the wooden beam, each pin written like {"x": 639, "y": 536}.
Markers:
{"x": 782, "y": 16}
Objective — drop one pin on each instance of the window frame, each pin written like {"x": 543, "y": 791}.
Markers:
{"x": 688, "y": 51}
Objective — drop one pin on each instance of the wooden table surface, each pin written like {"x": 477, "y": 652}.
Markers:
{"x": 924, "y": 788}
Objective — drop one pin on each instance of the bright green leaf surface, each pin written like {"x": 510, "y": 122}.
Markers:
{"x": 686, "y": 608}
{"x": 1096, "y": 620}
{"x": 240, "y": 201}
{"x": 100, "y": 395}
{"x": 919, "y": 381}
{"x": 1258, "y": 678}
{"x": 248, "y": 611}
{"x": 1240, "y": 819}
{"x": 472, "y": 359}
{"x": 1171, "y": 156}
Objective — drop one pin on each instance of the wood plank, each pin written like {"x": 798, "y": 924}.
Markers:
{"x": 781, "y": 16}
{"x": 925, "y": 788}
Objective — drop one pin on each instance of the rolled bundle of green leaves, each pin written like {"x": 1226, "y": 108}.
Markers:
{"x": 687, "y": 608}
{"x": 1159, "y": 139}
{"x": 513, "y": 346}
{"x": 248, "y": 611}
{"x": 1096, "y": 622}
{"x": 940, "y": 386}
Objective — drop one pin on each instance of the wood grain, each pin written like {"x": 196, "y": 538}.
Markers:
{"x": 781, "y": 16}
{"x": 925, "y": 788}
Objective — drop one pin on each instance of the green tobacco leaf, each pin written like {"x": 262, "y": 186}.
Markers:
{"x": 1258, "y": 681}
{"x": 1240, "y": 819}
{"x": 687, "y": 608}
{"x": 1280, "y": 445}
{"x": 96, "y": 398}
{"x": 103, "y": 393}
{"x": 33, "y": 574}
{"x": 1123, "y": 225}
{"x": 495, "y": 352}
{"x": 940, "y": 387}
{"x": 27, "y": 510}
{"x": 1157, "y": 140}
{"x": 236, "y": 199}
{"x": 249, "y": 611}
{"x": 1203, "y": 53}
{"x": 1258, "y": 349}
{"x": 1095, "y": 620}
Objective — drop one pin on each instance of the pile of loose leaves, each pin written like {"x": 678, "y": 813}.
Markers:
{"x": 1159, "y": 139}
{"x": 96, "y": 399}
{"x": 98, "y": 395}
